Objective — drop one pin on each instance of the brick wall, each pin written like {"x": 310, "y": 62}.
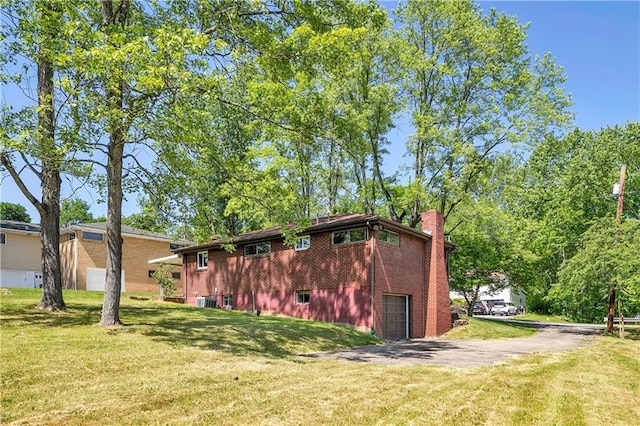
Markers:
{"x": 68, "y": 263}
{"x": 399, "y": 270}
{"x": 438, "y": 304}
{"x": 336, "y": 276}
{"x": 136, "y": 252}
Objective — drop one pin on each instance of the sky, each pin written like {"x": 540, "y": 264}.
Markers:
{"x": 597, "y": 43}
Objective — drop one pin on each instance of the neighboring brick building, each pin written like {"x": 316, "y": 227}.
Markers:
{"x": 20, "y": 254}
{"x": 361, "y": 270}
{"x": 83, "y": 254}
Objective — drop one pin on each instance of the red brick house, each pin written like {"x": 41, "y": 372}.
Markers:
{"x": 361, "y": 270}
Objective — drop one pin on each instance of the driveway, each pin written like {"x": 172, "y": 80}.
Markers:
{"x": 471, "y": 352}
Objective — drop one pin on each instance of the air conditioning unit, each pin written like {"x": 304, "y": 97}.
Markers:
{"x": 200, "y": 302}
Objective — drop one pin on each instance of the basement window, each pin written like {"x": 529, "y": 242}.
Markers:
{"x": 203, "y": 259}
{"x": 349, "y": 236}
{"x": 227, "y": 300}
{"x": 303, "y": 297}
{"x": 257, "y": 249}
{"x": 92, "y": 236}
{"x": 303, "y": 243}
{"x": 389, "y": 237}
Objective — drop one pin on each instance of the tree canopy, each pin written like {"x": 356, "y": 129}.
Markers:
{"x": 11, "y": 211}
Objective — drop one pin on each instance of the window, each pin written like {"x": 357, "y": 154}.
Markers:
{"x": 303, "y": 243}
{"x": 72, "y": 236}
{"x": 303, "y": 297}
{"x": 151, "y": 272}
{"x": 389, "y": 237}
{"x": 175, "y": 275}
{"x": 203, "y": 258}
{"x": 349, "y": 236}
{"x": 227, "y": 300}
{"x": 92, "y": 236}
{"x": 257, "y": 249}
{"x": 174, "y": 246}
{"x": 3, "y": 238}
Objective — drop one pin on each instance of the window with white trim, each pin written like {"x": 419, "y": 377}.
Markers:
{"x": 349, "y": 236}
{"x": 389, "y": 237}
{"x": 203, "y": 259}
{"x": 303, "y": 297}
{"x": 3, "y": 238}
{"x": 92, "y": 236}
{"x": 303, "y": 243}
{"x": 257, "y": 249}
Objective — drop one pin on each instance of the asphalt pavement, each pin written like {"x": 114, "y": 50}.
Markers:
{"x": 550, "y": 337}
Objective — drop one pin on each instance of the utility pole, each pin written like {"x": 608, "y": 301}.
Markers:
{"x": 612, "y": 288}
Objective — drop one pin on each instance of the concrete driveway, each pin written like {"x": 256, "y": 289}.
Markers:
{"x": 469, "y": 353}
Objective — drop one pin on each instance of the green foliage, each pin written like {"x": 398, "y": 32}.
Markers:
{"x": 11, "y": 211}
{"x": 483, "y": 253}
{"x": 473, "y": 90}
{"x": 163, "y": 275}
{"x": 74, "y": 211}
{"x": 607, "y": 254}
{"x": 565, "y": 186}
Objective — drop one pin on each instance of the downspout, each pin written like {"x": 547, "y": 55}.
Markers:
{"x": 372, "y": 279}
{"x": 185, "y": 273}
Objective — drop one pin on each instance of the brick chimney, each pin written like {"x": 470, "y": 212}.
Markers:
{"x": 438, "y": 315}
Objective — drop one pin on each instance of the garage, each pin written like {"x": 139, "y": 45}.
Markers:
{"x": 96, "y": 278}
{"x": 395, "y": 317}
{"x": 19, "y": 278}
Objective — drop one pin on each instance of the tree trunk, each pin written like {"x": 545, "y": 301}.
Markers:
{"x": 50, "y": 239}
{"x": 115, "y": 102}
{"x": 113, "y": 283}
{"x": 50, "y": 181}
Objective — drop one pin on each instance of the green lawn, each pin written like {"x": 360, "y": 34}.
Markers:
{"x": 181, "y": 365}
{"x": 481, "y": 328}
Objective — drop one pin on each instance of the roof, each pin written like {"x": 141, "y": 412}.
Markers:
{"x": 20, "y": 227}
{"x": 323, "y": 224}
{"x": 125, "y": 230}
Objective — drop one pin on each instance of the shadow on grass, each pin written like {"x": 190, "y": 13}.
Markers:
{"x": 519, "y": 325}
{"x": 231, "y": 332}
{"x": 241, "y": 333}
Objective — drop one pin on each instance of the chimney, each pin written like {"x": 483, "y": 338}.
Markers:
{"x": 438, "y": 315}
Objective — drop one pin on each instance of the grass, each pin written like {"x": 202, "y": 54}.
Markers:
{"x": 186, "y": 366}
{"x": 541, "y": 318}
{"x": 481, "y": 328}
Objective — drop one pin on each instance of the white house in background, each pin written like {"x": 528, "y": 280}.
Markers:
{"x": 490, "y": 294}
{"x": 20, "y": 254}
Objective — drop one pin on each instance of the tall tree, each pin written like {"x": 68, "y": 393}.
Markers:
{"x": 11, "y": 211}
{"x": 607, "y": 253}
{"x": 472, "y": 89}
{"x": 35, "y": 30}
{"x": 74, "y": 211}
{"x": 564, "y": 186}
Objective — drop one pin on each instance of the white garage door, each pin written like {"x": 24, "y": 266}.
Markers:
{"x": 96, "y": 278}
{"x": 15, "y": 278}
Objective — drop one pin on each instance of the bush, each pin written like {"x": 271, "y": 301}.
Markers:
{"x": 164, "y": 276}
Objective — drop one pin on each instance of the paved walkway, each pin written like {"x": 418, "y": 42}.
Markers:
{"x": 468, "y": 353}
